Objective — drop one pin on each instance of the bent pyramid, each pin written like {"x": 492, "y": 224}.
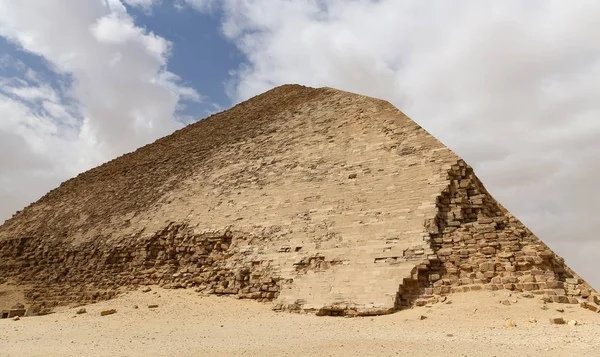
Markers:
{"x": 315, "y": 199}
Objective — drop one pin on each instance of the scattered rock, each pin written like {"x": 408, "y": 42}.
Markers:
{"x": 544, "y": 307}
{"x": 573, "y": 323}
{"x": 352, "y": 176}
{"x": 527, "y": 295}
{"x": 510, "y": 323}
{"x": 146, "y": 289}
{"x": 448, "y": 302}
{"x": 557, "y": 321}
{"x": 533, "y": 321}
{"x": 560, "y": 310}
{"x": 108, "y": 312}
{"x": 152, "y": 306}
{"x": 16, "y": 318}
{"x": 81, "y": 311}
{"x": 449, "y": 335}
{"x": 135, "y": 307}
{"x": 505, "y": 302}
{"x": 444, "y": 298}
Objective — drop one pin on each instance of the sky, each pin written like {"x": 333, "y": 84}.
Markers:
{"x": 511, "y": 86}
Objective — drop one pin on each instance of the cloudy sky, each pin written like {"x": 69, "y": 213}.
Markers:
{"x": 513, "y": 86}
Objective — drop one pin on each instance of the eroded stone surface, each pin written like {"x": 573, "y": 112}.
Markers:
{"x": 315, "y": 199}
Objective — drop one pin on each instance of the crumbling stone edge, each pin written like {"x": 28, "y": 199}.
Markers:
{"x": 473, "y": 244}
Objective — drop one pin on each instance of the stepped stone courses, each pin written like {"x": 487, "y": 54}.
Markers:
{"x": 315, "y": 200}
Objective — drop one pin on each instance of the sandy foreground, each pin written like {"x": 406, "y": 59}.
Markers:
{"x": 186, "y": 324}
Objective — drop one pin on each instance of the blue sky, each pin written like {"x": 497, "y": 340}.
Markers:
{"x": 511, "y": 86}
{"x": 201, "y": 54}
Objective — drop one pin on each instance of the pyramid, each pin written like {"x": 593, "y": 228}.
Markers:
{"x": 314, "y": 200}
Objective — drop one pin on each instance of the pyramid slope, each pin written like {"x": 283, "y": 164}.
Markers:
{"x": 315, "y": 199}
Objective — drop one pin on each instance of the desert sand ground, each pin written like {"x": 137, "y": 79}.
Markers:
{"x": 186, "y": 324}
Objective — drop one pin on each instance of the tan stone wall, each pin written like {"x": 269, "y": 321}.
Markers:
{"x": 174, "y": 257}
{"x": 477, "y": 244}
{"x": 315, "y": 199}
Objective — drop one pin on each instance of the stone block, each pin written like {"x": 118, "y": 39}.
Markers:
{"x": 560, "y": 292}
{"x": 488, "y": 250}
{"x": 560, "y": 299}
{"x": 487, "y": 267}
{"x": 509, "y": 279}
{"x": 527, "y": 279}
{"x": 108, "y": 312}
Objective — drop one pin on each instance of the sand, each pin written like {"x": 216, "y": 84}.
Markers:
{"x": 186, "y": 324}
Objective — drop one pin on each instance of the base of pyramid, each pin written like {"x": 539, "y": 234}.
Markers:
{"x": 472, "y": 243}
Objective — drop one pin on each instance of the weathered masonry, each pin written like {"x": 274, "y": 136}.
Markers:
{"x": 315, "y": 200}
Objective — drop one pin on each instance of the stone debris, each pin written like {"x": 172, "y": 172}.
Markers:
{"x": 81, "y": 311}
{"x": 557, "y": 320}
{"x": 560, "y": 310}
{"x": 153, "y": 306}
{"x": 16, "y": 318}
{"x": 572, "y": 323}
{"x": 422, "y": 317}
{"x": 146, "y": 289}
{"x": 108, "y": 312}
{"x": 510, "y": 323}
{"x": 593, "y": 307}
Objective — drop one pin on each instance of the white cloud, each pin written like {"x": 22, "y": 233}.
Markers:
{"x": 512, "y": 86}
{"x": 143, "y": 4}
{"x": 111, "y": 92}
{"x": 31, "y": 92}
{"x": 115, "y": 29}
